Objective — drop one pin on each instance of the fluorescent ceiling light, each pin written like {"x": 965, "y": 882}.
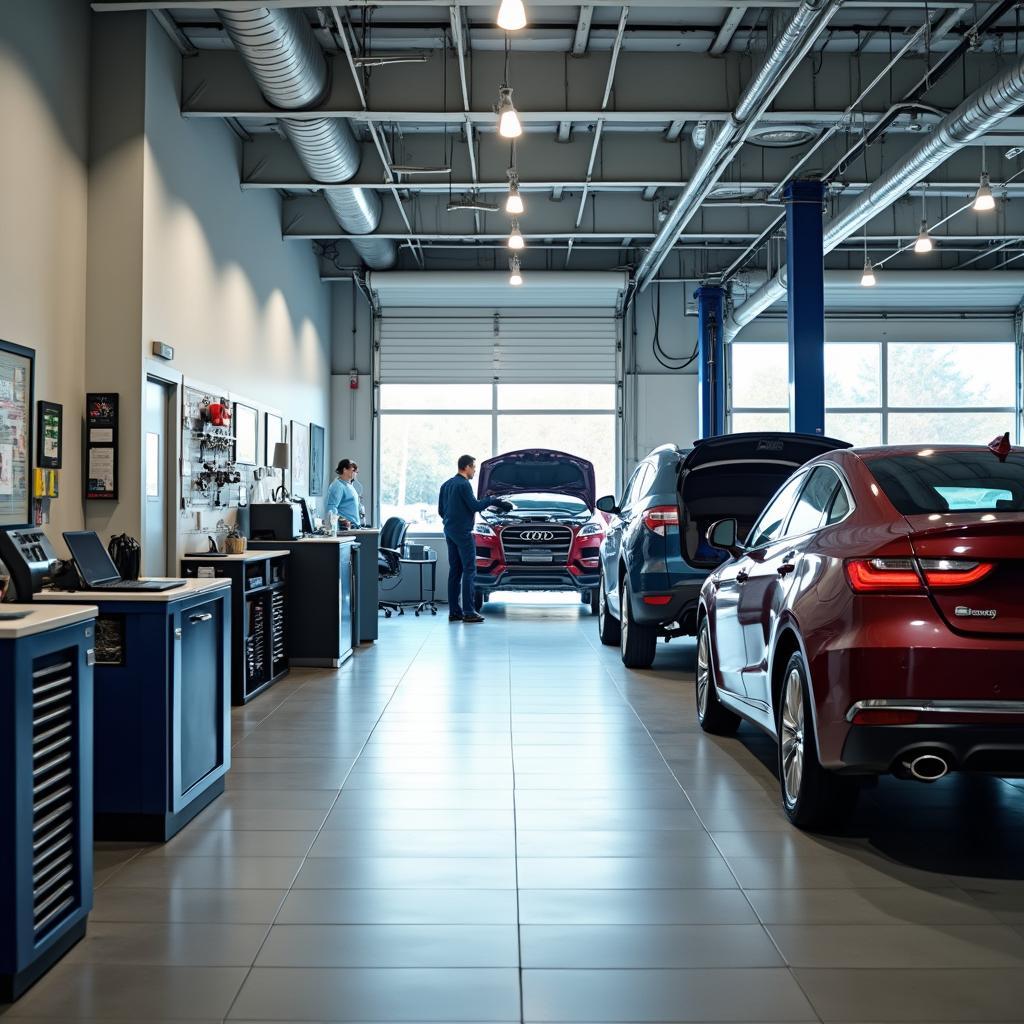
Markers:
{"x": 508, "y": 120}
{"x": 511, "y": 15}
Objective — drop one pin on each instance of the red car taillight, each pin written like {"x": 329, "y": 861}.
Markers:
{"x": 881, "y": 575}
{"x": 660, "y": 518}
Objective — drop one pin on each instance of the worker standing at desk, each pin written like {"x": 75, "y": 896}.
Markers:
{"x": 342, "y": 497}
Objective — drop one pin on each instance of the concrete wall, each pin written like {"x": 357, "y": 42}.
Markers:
{"x": 44, "y": 89}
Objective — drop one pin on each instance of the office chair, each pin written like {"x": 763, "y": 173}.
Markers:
{"x": 389, "y": 559}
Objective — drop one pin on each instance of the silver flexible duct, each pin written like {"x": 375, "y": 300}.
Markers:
{"x": 802, "y": 29}
{"x": 982, "y": 111}
{"x": 280, "y": 50}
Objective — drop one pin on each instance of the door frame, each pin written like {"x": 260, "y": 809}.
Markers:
{"x": 170, "y": 379}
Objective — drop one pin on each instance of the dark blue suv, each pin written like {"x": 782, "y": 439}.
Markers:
{"x": 655, "y": 557}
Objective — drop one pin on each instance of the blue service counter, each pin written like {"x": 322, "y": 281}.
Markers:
{"x": 46, "y": 768}
{"x": 162, "y": 705}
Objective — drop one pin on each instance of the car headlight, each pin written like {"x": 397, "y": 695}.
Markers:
{"x": 590, "y": 529}
{"x": 483, "y": 530}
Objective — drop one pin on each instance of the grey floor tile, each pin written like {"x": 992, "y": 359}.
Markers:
{"x": 624, "y": 873}
{"x": 399, "y": 906}
{"x": 132, "y": 992}
{"x": 342, "y": 994}
{"x": 447, "y": 799}
{"x": 621, "y": 819}
{"x": 391, "y": 945}
{"x": 759, "y": 995}
{"x": 634, "y": 906}
{"x": 829, "y": 873}
{"x": 208, "y": 873}
{"x": 236, "y": 843}
{"x": 615, "y": 843}
{"x": 260, "y": 819}
{"x": 407, "y": 873}
{"x": 417, "y": 819}
{"x": 213, "y": 906}
{"x": 419, "y": 842}
{"x": 927, "y": 996}
{"x": 172, "y": 944}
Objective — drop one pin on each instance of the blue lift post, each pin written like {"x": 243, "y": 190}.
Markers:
{"x": 711, "y": 365}
{"x": 805, "y": 287}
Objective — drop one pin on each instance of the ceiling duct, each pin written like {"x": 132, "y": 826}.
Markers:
{"x": 280, "y": 50}
{"x": 982, "y": 111}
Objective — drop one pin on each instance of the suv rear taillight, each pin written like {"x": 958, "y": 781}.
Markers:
{"x": 905, "y": 575}
{"x": 659, "y": 518}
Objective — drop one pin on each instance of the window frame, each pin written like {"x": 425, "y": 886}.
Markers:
{"x": 823, "y": 524}
{"x": 799, "y": 477}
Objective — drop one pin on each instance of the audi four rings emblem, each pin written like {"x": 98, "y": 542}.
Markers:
{"x": 537, "y": 535}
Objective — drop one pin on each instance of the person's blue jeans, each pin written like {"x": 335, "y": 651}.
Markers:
{"x": 461, "y": 574}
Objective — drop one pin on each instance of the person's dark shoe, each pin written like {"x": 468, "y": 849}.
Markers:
{"x": 473, "y": 618}
{"x": 455, "y": 618}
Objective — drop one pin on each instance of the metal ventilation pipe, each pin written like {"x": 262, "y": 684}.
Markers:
{"x": 807, "y": 23}
{"x": 982, "y": 111}
{"x": 280, "y": 50}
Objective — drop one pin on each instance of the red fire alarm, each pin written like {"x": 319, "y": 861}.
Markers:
{"x": 353, "y": 381}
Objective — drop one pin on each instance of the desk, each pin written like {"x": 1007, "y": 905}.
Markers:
{"x": 321, "y": 585}
{"x": 162, "y": 709}
{"x": 259, "y": 615}
{"x": 46, "y": 707}
{"x": 367, "y": 598}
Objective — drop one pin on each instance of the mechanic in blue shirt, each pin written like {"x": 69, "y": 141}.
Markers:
{"x": 342, "y": 497}
{"x": 457, "y": 506}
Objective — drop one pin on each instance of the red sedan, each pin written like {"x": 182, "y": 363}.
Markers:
{"x": 873, "y": 622}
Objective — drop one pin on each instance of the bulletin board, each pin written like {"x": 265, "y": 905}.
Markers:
{"x": 16, "y": 367}
{"x": 101, "y": 445}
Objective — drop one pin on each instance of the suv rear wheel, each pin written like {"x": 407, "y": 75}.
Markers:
{"x": 638, "y": 643}
{"x": 607, "y": 624}
{"x": 713, "y": 716}
{"x": 812, "y": 796}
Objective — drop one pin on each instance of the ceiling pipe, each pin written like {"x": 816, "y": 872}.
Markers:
{"x": 799, "y": 35}
{"x": 982, "y": 111}
{"x": 280, "y": 50}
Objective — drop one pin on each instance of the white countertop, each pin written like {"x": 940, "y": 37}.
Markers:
{"x": 41, "y": 619}
{"x": 358, "y": 532}
{"x": 254, "y": 555}
{"x": 344, "y": 539}
{"x": 189, "y": 589}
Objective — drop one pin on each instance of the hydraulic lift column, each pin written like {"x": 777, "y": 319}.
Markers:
{"x": 711, "y": 364}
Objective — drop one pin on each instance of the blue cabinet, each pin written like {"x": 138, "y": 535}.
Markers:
{"x": 46, "y": 766}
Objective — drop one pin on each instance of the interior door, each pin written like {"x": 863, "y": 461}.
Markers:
{"x": 156, "y": 431}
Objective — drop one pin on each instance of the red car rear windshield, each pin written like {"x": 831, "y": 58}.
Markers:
{"x": 964, "y": 481}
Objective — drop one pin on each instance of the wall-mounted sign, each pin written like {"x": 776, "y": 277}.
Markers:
{"x": 16, "y": 366}
{"x": 49, "y": 435}
{"x": 101, "y": 445}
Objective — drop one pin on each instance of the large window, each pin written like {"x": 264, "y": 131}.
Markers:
{"x": 424, "y": 429}
{"x": 886, "y": 392}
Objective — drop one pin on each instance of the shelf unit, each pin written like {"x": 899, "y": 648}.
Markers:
{"x": 259, "y": 616}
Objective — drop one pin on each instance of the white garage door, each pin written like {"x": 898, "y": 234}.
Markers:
{"x": 439, "y": 327}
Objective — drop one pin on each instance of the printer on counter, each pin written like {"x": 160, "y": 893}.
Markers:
{"x": 33, "y": 563}
{"x": 275, "y": 520}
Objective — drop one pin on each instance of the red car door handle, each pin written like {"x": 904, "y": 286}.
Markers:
{"x": 786, "y": 568}
{"x": 742, "y": 577}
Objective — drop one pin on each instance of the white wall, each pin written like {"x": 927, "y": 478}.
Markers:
{"x": 44, "y": 91}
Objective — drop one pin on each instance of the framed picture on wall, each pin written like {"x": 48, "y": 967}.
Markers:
{"x": 49, "y": 435}
{"x": 316, "y": 460}
{"x": 273, "y": 434}
{"x": 300, "y": 459}
{"x": 246, "y": 435}
{"x": 16, "y": 368}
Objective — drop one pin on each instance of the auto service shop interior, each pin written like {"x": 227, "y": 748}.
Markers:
{"x": 694, "y": 694}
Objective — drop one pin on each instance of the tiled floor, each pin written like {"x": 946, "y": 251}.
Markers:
{"x": 500, "y": 823}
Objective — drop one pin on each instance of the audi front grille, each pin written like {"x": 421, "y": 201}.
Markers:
{"x": 536, "y": 545}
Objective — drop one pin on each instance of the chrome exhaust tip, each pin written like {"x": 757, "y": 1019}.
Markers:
{"x": 927, "y": 767}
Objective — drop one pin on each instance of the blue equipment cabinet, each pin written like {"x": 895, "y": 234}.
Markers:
{"x": 163, "y": 704}
{"x": 46, "y": 731}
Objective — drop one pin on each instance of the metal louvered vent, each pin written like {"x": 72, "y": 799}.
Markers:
{"x": 55, "y": 784}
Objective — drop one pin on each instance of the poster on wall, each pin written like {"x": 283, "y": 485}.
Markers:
{"x": 16, "y": 365}
{"x": 246, "y": 435}
{"x": 273, "y": 433}
{"x": 300, "y": 459}
{"x": 316, "y": 460}
{"x": 50, "y": 435}
{"x": 101, "y": 445}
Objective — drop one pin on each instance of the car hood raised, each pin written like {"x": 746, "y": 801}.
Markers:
{"x": 541, "y": 470}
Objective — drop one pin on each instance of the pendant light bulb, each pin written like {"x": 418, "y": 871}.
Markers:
{"x": 924, "y": 240}
{"x": 515, "y": 239}
{"x": 516, "y": 277}
{"x": 511, "y": 15}
{"x": 514, "y": 203}
{"x": 983, "y": 198}
{"x": 867, "y": 279}
{"x": 508, "y": 120}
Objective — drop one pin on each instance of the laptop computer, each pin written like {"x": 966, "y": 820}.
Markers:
{"x": 97, "y": 568}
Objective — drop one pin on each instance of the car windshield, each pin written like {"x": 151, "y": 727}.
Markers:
{"x": 951, "y": 481}
{"x": 560, "y": 504}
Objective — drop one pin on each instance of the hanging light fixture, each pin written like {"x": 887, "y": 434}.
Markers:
{"x": 984, "y": 201}
{"x": 511, "y": 15}
{"x": 924, "y": 239}
{"x": 508, "y": 120}
{"x": 514, "y": 203}
{"x": 515, "y": 239}
{"x": 516, "y": 277}
{"x": 867, "y": 278}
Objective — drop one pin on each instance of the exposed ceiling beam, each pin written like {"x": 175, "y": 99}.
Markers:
{"x": 242, "y": 5}
{"x": 455, "y": 20}
{"x": 582, "y": 35}
{"x": 727, "y": 31}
